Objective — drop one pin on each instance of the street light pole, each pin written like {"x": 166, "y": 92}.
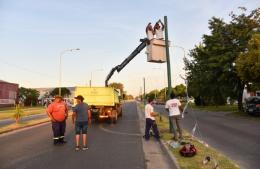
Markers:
{"x": 60, "y": 66}
{"x": 182, "y": 48}
{"x": 90, "y": 82}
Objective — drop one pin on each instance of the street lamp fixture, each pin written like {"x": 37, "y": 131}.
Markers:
{"x": 60, "y": 74}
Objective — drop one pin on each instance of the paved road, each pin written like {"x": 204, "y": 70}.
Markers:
{"x": 110, "y": 147}
{"x": 24, "y": 119}
{"x": 236, "y": 137}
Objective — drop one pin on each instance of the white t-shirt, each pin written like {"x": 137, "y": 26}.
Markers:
{"x": 173, "y": 106}
{"x": 149, "y": 35}
{"x": 159, "y": 33}
{"x": 148, "y": 110}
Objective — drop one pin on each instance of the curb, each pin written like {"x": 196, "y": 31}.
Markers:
{"x": 23, "y": 127}
{"x": 169, "y": 153}
{"x": 165, "y": 148}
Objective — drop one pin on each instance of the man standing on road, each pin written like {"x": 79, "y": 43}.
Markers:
{"x": 58, "y": 113}
{"x": 82, "y": 116}
{"x": 173, "y": 106}
{"x": 150, "y": 120}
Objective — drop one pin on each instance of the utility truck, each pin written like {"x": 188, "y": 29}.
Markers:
{"x": 104, "y": 102}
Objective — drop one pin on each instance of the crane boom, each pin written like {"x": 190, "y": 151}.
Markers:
{"x": 118, "y": 68}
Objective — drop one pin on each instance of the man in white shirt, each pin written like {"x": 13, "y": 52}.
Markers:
{"x": 149, "y": 31}
{"x": 150, "y": 121}
{"x": 158, "y": 30}
{"x": 173, "y": 106}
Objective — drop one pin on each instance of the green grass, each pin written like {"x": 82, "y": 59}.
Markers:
{"x": 203, "y": 151}
{"x": 6, "y": 113}
{"x": 224, "y": 108}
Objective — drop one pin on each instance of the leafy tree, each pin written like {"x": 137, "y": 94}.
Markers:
{"x": 152, "y": 94}
{"x": 162, "y": 95}
{"x": 119, "y": 86}
{"x": 248, "y": 63}
{"x": 180, "y": 90}
{"x": 212, "y": 76}
{"x": 129, "y": 97}
{"x": 18, "y": 113}
{"x": 65, "y": 92}
{"x": 28, "y": 96}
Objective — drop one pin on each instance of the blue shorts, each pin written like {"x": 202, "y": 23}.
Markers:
{"x": 81, "y": 127}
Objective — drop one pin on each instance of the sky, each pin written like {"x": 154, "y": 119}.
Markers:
{"x": 33, "y": 34}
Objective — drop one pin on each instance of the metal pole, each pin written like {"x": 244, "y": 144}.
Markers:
{"x": 61, "y": 68}
{"x": 90, "y": 82}
{"x": 144, "y": 91}
{"x": 60, "y": 75}
{"x": 167, "y": 56}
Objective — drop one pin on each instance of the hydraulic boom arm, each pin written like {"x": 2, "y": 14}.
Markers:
{"x": 118, "y": 68}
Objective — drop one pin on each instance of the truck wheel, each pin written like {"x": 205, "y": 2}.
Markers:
{"x": 111, "y": 120}
{"x": 120, "y": 111}
{"x": 115, "y": 115}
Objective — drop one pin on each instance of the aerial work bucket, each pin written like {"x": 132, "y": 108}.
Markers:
{"x": 156, "y": 51}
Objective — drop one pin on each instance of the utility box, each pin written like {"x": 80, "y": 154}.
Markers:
{"x": 156, "y": 51}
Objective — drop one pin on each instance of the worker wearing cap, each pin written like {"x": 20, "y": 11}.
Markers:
{"x": 81, "y": 117}
{"x": 58, "y": 113}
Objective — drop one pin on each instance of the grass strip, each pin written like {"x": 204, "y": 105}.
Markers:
{"x": 203, "y": 150}
{"x": 223, "y": 108}
{"x": 21, "y": 125}
{"x": 7, "y": 114}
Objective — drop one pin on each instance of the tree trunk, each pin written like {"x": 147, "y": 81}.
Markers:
{"x": 17, "y": 119}
{"x": 240, "y": 97}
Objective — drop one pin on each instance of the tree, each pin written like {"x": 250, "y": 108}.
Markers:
{"x": 18, "y": 113}
{"x": 211, "y": 73}
{"x": 65, "y": 92}
{"x": 152, "y": 94}
{"x": 118, "y": 86}
{"x": 180, "y": 90}
{"x": 28, "y": 96}
{"x": 129, "y": 97}
{"x": 248, "y": 62}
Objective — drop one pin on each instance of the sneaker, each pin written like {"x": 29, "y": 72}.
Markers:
{"x": 63, "y": 142}
{"x": 85, "y": 148}
{"x": 55, "y": 142}
{"x": 77, "y": 148}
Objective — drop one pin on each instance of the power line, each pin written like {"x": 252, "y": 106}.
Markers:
{"x": 30, "y": 71}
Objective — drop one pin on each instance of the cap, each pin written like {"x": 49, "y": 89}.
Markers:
{"x": 79, "y": 97}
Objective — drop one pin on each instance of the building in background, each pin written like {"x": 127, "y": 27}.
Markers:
{"x": 45, "y": 96}
{"x": 8, "y": 93}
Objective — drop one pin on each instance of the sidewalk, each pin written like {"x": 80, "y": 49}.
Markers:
{"x": 156, "y": 155}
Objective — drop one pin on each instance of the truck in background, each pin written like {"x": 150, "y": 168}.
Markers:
{"x": 104, "y": 102}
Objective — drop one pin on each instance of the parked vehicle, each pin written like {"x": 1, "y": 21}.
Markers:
{"x": 103, "y": 101}
{"x": 252, "y": 105}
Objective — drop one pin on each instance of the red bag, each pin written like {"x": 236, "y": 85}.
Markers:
{"x": 188, "y": 150}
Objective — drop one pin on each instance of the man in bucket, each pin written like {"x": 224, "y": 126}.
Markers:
{"x": 58, "y": 113}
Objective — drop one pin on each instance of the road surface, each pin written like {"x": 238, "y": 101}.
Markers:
{"x": 6, "y": 122}
{"x": 110, "y": 147}
{"x": 236, "y": 137}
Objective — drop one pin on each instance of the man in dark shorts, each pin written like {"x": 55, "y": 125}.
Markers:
{"x": 81, "y": 117}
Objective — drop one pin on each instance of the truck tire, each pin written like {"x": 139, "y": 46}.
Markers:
{"x": 115, "y": 116}
{"x": 120, "y": 112}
